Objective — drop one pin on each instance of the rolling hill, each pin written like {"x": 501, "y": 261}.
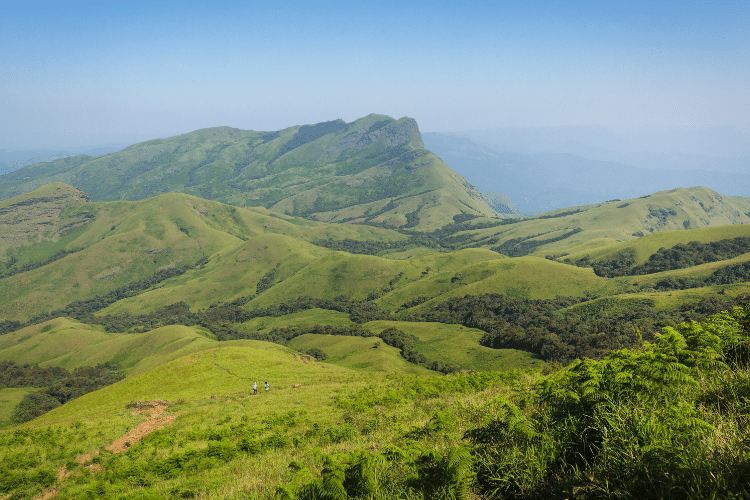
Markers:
{"x": 61, "y": 248}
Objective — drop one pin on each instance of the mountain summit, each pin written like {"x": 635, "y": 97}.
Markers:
{"x": 374, "y": 170}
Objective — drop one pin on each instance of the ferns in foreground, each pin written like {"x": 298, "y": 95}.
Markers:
{"x": 666, "y": 419}
{"x": 661, "y": 420}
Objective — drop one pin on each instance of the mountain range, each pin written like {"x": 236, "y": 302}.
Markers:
{"x": 545, "y": 169}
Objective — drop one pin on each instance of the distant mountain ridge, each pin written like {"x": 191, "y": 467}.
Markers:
{"x": 550, "y": 180}
{"x": 716, "y": 142}
{"x": 374, "y": 170}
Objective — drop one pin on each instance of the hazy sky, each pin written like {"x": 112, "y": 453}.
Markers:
{"x": 83, "y": 73}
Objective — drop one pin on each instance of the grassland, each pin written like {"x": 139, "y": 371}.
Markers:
{"x": 302, "y": 413}
{"x": 458, "y": 345}
{"x": 321, "y": 423}
{"x": 9, "y": 399}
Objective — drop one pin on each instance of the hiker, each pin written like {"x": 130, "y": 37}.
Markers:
{"x": 267, "y": 387}
{"x": 255, "y": 388}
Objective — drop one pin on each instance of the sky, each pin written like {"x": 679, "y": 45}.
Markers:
{"x": 79, "y": 73}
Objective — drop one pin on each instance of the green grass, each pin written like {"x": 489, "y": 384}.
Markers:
{"x": 332, "y": 411}
{"x": 649, "y": 244}
{"x": 9, "y": 398}
{"x": 127, "y": 241}
{"x": 606, "y": 224}
{"x": 359, "y": 353}
{"x": 310, "y": 317}
{"x": 70, "y": 344}
{"x": 524, "y": 277}
{"x": 336, "y": 415}
{"x": 459, "y": 345}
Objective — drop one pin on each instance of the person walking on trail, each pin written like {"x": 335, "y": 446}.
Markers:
{"x": 255, "y": 388}
{"x": 267, "y": 387}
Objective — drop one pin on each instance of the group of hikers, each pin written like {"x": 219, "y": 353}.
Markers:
{"x": 255, "y": 388}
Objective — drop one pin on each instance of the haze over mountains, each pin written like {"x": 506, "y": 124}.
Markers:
{"x": 520, "y": 171}
{"x": 542, "y": 169}
{"x": 14, "y": 159}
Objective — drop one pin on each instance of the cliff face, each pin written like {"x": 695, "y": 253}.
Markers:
{"x": 40, "y": 214}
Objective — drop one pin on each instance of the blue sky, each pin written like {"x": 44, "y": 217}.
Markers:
{"x": 86, "y": 73}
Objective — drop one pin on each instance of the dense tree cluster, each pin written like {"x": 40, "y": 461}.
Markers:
{"x": 266, "y": 281}
{"x": 553, "y": 332}
{"x": 61, "y": 386}
{"x": 679, "y": 256}
{"x": 559, "y": 214}
{"x": 15, "y": 375}
{"x": 358, "y": 246}
{"x": 9, "y": 325}
{"x": 316, "y": 353}
{"x": 728, "y": 275}
{"x": 10, "y": 268}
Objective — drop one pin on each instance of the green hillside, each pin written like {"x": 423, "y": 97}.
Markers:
{"x": 458, "y": 345}
{"x": 358, "y": 353}
{"x": 123, "y": 265}
{"x": 374, "y": 170}
{"x": 417, "y": 344}
{"x": 642, "y": 248}
{"x": 193, "y": 300}
{"x": 191, "y": 428}
{"x": 71, "y": 344}
{"x": 577, "y": 230}
{"x": 122, "y": 242}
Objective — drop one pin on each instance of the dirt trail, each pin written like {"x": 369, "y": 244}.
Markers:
{"x": 153, "y": 410}
{"x": 153, "y": 422}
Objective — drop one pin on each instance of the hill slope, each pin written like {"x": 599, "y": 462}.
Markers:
{"x": 136, "y": 257}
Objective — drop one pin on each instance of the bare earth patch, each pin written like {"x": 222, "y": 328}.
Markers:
{"x": 153, "y": 422}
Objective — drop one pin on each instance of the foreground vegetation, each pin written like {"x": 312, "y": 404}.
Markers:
{"x": 665, "y": 419}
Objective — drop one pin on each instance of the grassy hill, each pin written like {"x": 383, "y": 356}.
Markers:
{"x": 374, "y": 170}
{"x": 191, "y": 428}
{"x": 127, "y": 259}
{"x": 71, "y": 344}
{"x": 583, "y": 229}
{"x": 249, "y": 272}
